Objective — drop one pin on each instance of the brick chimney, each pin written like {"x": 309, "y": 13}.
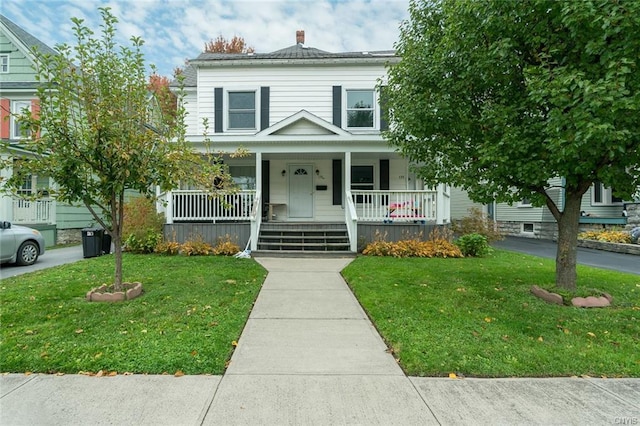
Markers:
{"x": 300, "y": 37}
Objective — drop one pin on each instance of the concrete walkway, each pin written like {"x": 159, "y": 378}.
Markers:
{"x": 309, "y": 356}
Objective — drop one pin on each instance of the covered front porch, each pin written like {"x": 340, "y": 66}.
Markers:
{"x": 296, "y": 191}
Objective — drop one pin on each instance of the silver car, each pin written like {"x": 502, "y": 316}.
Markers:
{"x": 20, "y": 244}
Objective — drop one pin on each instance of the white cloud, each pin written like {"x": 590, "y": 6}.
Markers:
{"x": 177, "y": 29}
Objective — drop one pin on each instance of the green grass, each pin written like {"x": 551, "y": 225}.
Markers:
{"x": 192, "y": 310}
{"x": 476, "y": 317}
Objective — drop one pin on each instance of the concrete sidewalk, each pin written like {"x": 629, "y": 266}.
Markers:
{"x": 309, "y": 356}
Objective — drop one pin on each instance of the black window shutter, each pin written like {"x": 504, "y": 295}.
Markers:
{"x": 337, "y": 182}
{"x": 265, "y": 187}
{"x": 217, "y": 110}
{"x": 264, "y": 108}
{"x": 384, "y": 111}
{"x": 337, "y": 106}
{"x": 384, "y": 175}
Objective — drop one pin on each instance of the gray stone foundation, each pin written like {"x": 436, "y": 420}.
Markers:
{"x": 633, "y": 215}
{"x": 549, "y": 230}
{"x": 69, "y": 236}
{"x": 541, "y": 230}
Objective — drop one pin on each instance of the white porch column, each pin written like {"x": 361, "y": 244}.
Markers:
{"x": 347, "y": 174}
{"x": 6, "y": 202}
{"x": 440, "y": 207}
{"x": 350, "y": 215}
{"x": 255, "y": 221}
{"x": 169, "y": 212}
{"x": 258, "y": 171}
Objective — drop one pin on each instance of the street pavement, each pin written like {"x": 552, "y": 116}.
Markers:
{"x": 597, "y": 258}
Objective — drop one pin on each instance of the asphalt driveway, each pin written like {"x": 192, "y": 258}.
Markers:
{"x": 590, "y": 257}
{"x": 51, "y": 257}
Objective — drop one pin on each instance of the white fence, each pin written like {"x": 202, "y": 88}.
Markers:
{"x": 34, "y": 211}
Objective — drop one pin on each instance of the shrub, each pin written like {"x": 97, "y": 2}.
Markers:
{"x": 143, "y": 244}
{"x": 196, "y": 247}
{"x": 477, "y": 223}
{"x": 226, "y": 247}
{"x": 474, "y": 245}
{"x": 607, "y": 235}
{"x": 438, "y": 245}
{"x": 170, "y": 248}
{"x": 142, "y": 225}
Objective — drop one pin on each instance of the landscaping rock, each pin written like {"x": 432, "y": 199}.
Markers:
{"x": 100, "y": 294}
{"x": 546, "y": 296}
{"x": 591, "y": 301}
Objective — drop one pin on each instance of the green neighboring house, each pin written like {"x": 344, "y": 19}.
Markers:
{"x": 59, "y": 222}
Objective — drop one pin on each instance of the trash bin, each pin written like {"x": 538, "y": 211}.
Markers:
{"x": 106, "y": 243}
{"x": 92, "y": 242}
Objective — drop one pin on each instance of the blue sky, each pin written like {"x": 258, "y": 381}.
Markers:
{"x": 175, "y": 30}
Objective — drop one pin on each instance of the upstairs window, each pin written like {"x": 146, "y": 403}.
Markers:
{"x": 18, "y": 130}
{"x": 4, "y": 64}
{"x": 242, "y": 110}
{"x": 360, "y": 109}
{"x": 602, "y": 195}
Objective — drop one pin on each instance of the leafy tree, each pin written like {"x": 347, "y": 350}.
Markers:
{"x": 167, "y": 100}
{"x": 502, "y": 98}
{"x": 98, "y": 132}
{"x": 222, "y": 45}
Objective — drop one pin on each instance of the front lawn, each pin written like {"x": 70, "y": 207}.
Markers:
{"x": 476, "y": 317}
{"x": 192, "y": 311}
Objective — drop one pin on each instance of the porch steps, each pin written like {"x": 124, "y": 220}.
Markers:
{"x": 304, "y": 237}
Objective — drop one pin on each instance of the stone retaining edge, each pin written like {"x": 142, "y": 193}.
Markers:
{"x": 614, "y": 247}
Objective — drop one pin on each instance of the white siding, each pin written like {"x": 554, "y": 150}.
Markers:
{"x": 194, "y": 126}
{"x": 291, "y": 89}
{"x": 398, "y": 173}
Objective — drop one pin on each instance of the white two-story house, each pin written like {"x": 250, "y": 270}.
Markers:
{"x": 319, "y": 175}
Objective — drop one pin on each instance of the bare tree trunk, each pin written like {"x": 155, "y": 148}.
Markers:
{"x": 117, "y": 213}
{"x": 566, "y": 256}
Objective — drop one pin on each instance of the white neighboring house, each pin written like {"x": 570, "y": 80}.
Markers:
{"x": 58, "y": 222}
{"x": 319, "y": 176}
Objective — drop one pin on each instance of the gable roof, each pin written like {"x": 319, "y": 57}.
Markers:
{"x": 23, "y": 42}
{"x": 313, "y": 125}
{"x": 190, "y": 75}
{"x": 27, "y": 40}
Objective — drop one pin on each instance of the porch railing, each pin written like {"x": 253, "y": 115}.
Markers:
{"x": 256, "y": 221}
{"x": 34, "y": 211}
{"x": 351, "y": 217}
{"x": 395, "y": 206}
{"x": 195, "y": 205}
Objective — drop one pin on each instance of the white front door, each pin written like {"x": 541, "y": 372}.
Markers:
{"x": 300, "y": 191}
